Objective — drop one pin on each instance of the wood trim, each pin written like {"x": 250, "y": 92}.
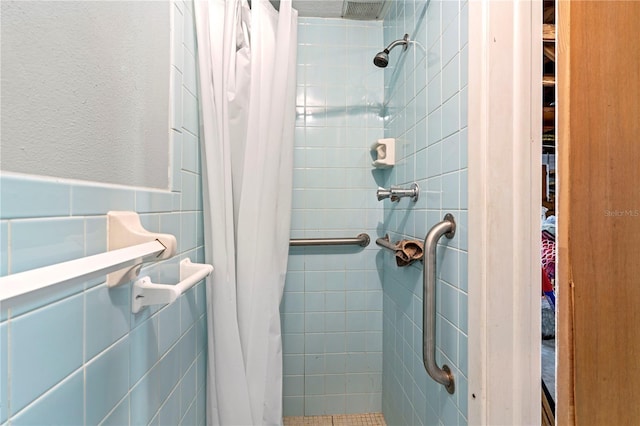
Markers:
{"x": 599, "y": 221}
{"x": 565, "y": 404}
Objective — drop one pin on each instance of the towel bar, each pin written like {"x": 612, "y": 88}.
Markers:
{"x": 146, "y": 293}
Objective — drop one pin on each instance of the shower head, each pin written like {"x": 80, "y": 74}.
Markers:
{"x": 382, "y": 58}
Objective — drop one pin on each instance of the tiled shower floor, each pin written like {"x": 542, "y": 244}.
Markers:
{"x": 366, "y": 419}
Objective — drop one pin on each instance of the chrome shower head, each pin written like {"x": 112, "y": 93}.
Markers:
{"x": 382, "y": 58}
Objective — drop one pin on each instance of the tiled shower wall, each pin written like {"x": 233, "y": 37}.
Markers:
{"x": 332, "y": 305}
{"x": 426, "y": 92}
{"x": 76, "y": 355}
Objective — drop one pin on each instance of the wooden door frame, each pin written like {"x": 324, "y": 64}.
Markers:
{"x": 505, "y": 126}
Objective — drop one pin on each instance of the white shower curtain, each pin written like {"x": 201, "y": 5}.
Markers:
{"x": 247, "y": 65}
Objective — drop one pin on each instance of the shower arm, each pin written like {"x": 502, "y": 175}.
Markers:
{"x": 404, "y": 42}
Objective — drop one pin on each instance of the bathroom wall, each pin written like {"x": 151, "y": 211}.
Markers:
{"x": 332, "y": 305}
{"x": 71, "y": 110}
{"x": 76, "y": 355}
{"x": 426, "y": 92}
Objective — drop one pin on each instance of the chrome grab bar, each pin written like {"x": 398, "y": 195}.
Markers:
{"x": 441, "y": 375}
{"x": 361, "y": 240}
{"x": 384, "y": 242}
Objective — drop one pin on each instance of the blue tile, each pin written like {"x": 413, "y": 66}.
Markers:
{"x": 188, "y": 309}
{"x": 201, "y": 371}
{"x": 448, "y": 302}
{"x": 450, "y": 41}
{"x": 189, "y": 71}
{"x": 189, "y": 191}
{"x": 449, "y": 266}
{"x": 335, "y": 342}
{"x": 189, "y": 112}
{"x": 176, "y": 97}
{"x": 448, "y": 340}
{"x": 451, "y": 116}
{"x": 451, "y": 153}
{"x": 169, "y": 414}
{"x": 119, "y": 416}
{"x": 4, "y": 248}
{"x": 50, "y": 338}
{"x": 145, "y": 399}
{"x": 94, "y": 199}
{"x": 201, "y": 334}
{"x": 293, "y": 322}
{"x": 451, "y": 191}
{"x": 313, "y": 385}
{"x": 95, "y": 235}
{"x": 293, "y": 343}
{"x": 434, "y": 127}
{"x": 201, "y": 406}
{"x": 314, "y": 343}
{"x": 463, "y": 272}
{"x": 188, "y": 353}
{"x": 293, "y": 385}
{"x": 293, "y": 405}
{"x": 36, "y": 243}
{"x": 170, "y": 224}
{"x": 463, "y": 354}
{"x": 28, "y": 196}
{"x": 107, "y": 381}
{"x": 314, "y": 364}
{"x": 143, "y": 341}
{"x": 188, "y": 389}
{"x": 314, "y": 405}
{"x": 176, "y": 161}
{"x": 314, "y": 302}
{"x": 62, "y": 405}
{"x": 168, "y": 327}
{"x": 188, "y": 231}
{"x": 169, "y": 370}
{"x": 107, "y": 317}
{"x": 293, "y": 364}
{"x": 464, "y": 311}
{"x": 190, "y": 153}
{"x": 154, "y": 201}
{"x": 4, "y": 365}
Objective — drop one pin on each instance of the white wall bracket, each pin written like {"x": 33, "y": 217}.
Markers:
{"x": 146, "y": 293}
{"x": 124, "y": 230}
{"x": 384, "y": 153}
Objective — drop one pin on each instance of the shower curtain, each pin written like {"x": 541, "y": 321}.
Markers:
{"x": 247, "y": 65}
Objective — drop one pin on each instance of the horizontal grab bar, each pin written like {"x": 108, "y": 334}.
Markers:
{"x": 146, "y": 293}
{"x": 384, "y": 242}
{"x": 77, "y": 270}
{"x": 362, "y": 240}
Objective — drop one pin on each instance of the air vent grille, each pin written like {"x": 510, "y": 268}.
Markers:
{"x": 363, "y": 10}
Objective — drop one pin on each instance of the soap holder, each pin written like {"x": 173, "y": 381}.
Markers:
{"x": 384, "y": 153}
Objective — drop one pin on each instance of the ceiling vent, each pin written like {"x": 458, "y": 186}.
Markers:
{"x": 364, "y": 10}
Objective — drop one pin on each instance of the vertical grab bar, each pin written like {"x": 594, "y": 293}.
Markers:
{"x": 441, "y": 375}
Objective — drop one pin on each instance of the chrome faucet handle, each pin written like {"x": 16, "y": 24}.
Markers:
{"x": 398, "y": 192}
{"x": 382, "y": 193}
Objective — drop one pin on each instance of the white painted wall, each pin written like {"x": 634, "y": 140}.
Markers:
{"x": 85, "y": 90}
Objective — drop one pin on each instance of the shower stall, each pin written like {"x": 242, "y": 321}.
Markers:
{"x": 351, "y": 318}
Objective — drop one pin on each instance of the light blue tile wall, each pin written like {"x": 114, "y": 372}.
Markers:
{"x": 426, "y": 96}
{"x": 332, "y": 305}
{"x": 76, "y": 355}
